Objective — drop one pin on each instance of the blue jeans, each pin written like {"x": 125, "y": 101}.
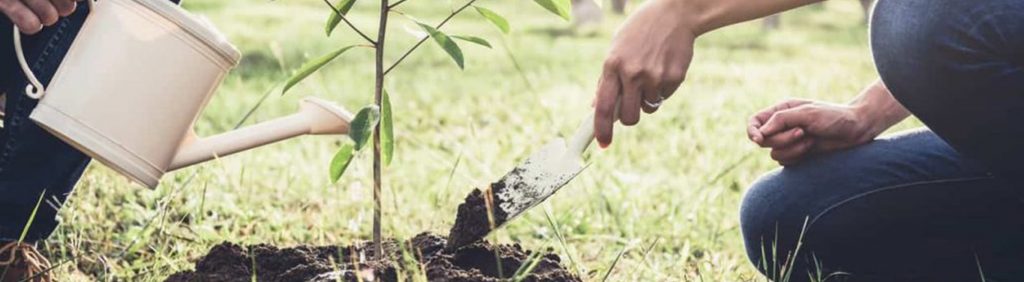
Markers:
{"x": 34, "y": 163}
{"x": 918, "y": 206}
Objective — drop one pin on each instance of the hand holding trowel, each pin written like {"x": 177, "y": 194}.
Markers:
{"x": 529, "y": 184}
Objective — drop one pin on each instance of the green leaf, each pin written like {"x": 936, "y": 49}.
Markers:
{"x": 335, "y": 19}
{"x": 312, "y": 66}
{"x": 387, "y": 129}
{"x": 473, "y": 39}
{"x": 361, "y": 127}
{"x": 445, "y": 42}
{"x": 558, "y": 7}
{"x": 494, "y": 18}
{"x": 341, "y": 161}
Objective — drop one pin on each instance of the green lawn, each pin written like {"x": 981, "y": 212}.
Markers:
{"x": 674, "y": 182}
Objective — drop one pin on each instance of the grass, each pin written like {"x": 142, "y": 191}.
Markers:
{"x": 675, "y": 180}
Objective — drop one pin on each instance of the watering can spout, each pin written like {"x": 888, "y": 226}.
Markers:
{"x": 315, "y": 116}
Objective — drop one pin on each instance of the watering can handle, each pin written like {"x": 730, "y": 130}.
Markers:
{"x": 35, "y": 88}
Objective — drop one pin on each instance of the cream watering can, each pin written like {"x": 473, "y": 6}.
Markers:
{"x": 136, "y": 79}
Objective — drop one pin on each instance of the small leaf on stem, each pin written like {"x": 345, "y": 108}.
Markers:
{"x": 361, "y": 127}
{"x": 387, "y": 131}
{"x": 494, "y": 18}
{"x": 473, "y": 39}
{"x": 341, "y": 161}
{"x": 335, "y": 19}
{"x": 312, "y": 66}
{"x": 558, "y": 7}
{"x": 446, "y": 43}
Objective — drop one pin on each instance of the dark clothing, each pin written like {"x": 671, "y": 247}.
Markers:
{"x": 902, "y": 208}
{"x": 921, "y": 206}
{"x": 33, "y": 162}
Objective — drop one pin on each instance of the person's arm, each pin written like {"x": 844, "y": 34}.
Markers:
{"x": 793, "y": 129}
{"x": 878, "y": 105}
{"x": 31, "y": 15}
{"x": 651, "y": 53}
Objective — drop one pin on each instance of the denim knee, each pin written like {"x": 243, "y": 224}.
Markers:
{"x": 764, "y": 221}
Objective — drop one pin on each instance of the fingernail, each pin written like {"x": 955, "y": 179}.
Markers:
{"x": 799, "y": 132}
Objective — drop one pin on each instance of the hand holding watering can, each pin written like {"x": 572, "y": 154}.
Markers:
{"x": 152, "y": 67}
{"x": 31, "y": 15}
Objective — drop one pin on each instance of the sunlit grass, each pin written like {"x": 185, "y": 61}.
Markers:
{"x": 670, "y": 185}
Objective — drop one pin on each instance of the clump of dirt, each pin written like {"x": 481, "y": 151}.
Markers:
{"x": 471, "y": 220}
{"x": 424, "y": 254}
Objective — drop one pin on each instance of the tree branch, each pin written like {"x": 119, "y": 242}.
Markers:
{"x": 350, "y": 25}
{"x": 392, "y": 6}
{"x": 424, "y": 39}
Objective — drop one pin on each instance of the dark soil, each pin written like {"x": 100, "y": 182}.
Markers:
{"x": 423, "y": 254}
{"x": 471, "y": 222}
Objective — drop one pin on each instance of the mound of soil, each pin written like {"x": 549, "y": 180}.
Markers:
{"x": 423, "y": 254}
{"x": 471, "y": 220}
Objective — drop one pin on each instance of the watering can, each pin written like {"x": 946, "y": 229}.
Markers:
{"x": 134, "y": 82}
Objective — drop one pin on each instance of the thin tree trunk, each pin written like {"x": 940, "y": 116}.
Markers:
{"x": 378, "y": 90}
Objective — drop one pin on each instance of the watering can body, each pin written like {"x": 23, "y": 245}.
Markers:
{"x": 136, "y": 79}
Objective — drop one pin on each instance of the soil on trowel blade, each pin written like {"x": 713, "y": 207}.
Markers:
{"x": 471, "y": 222}
{"x": 426, "y": 255}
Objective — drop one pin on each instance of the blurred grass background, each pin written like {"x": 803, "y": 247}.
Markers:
{"x": 665, "y": 195}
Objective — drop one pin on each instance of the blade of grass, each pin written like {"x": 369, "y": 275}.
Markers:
{"x": 725, "y": 171}
{"x": 561, "y": 239}
{"x": 28, "y": 224}
{"x": 981, "y": 272}
{"x": 516, "y": 64}
{"x": 796, "y": 252}
{"x": 162, "y": 208}
{"x": 614, "y": 263}
{"x": 615, "y": 215}
{"x": 489, "y": 200}
{"x": 525, "y": 269}
{"x": 257, "y": 105}
{"x": 31, "y": 217}
{"x": 451, "y": 173}
{"x": 776, "y": 267}
{"x": 643, "y": 257}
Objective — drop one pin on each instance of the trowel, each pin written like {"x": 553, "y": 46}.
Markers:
{"x": 527, "y": 185}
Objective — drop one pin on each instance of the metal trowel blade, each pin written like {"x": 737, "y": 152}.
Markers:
{"x": 537, "y": 178}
